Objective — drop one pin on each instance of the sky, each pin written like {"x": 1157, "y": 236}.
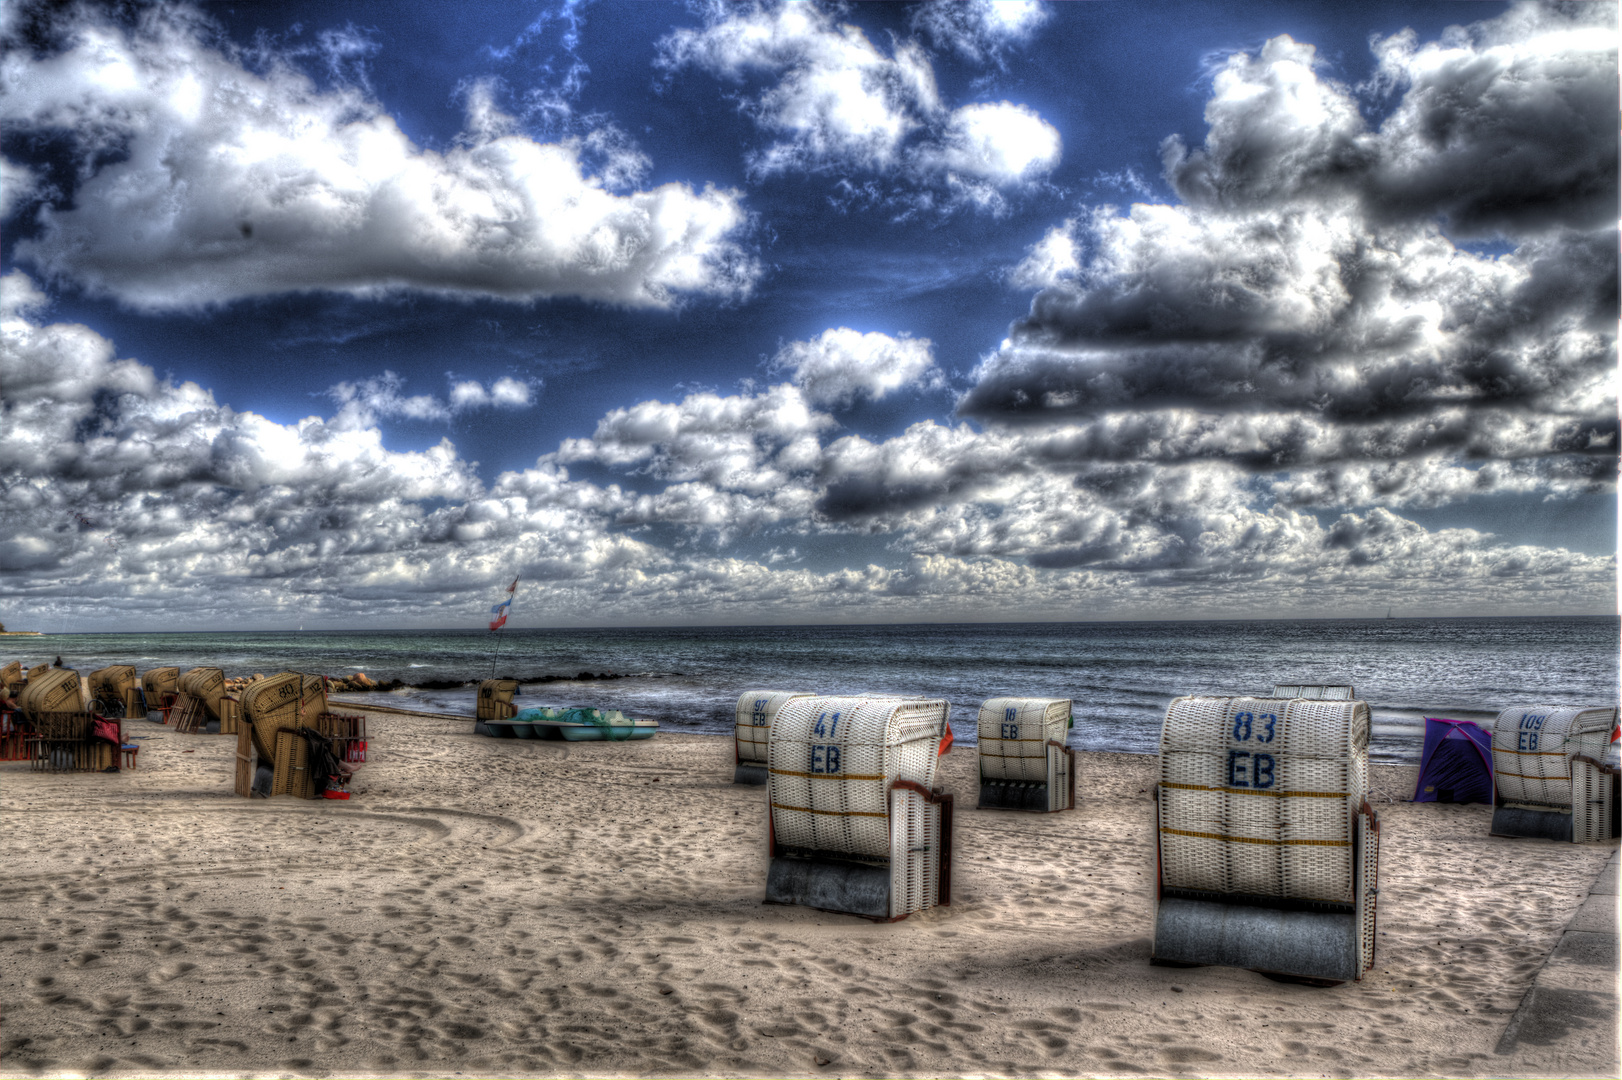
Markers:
{"x": 345, "y": 314}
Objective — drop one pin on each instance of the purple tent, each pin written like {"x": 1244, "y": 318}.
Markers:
{"x": 1457, "y": 763}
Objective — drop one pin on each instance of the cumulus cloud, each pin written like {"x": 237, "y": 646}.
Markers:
{"x": 1246, "y": 389}
{"x": 1306, "y": 307}
{"x": 842, "y": 365}
{"x": 1523, "y": 106}
{"x": 839, "y": 103}
{"x": 1502, "y": 127}
{"x": 223, "y": 516}
{"x": 751, "y": 443}
{"x": 232, "y": 182}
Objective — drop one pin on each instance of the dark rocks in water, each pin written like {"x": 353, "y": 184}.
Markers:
{"x": 350, "y": 686}
{"x": 584, "y": 676}
{"x": 527, "y": 680}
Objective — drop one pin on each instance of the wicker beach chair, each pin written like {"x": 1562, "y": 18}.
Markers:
{"x": 270, "y": 705}
{"x": 11, "y": 678}
{"x": 1551, "y": 775}
{"x": 1267, "y": 847}
{"x": 199, "y": 704}
{"x": 273, "y": 710}
{"x": 162, "y": 686}
{"x": 494, "y": 707}
{"x": 856, "y": 823}
{"x": 114, "y": 691}
{"x": 751, "y": 733}
{"x": 1025, "y": 763}
{"x": 61, "y": 727}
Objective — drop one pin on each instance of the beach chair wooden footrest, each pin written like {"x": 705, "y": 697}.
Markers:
{"x": 1522, "y": 821}
{"x": 750, "y": 774}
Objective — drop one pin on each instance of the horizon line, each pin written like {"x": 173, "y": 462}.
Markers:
{"x": 814, "y": 625}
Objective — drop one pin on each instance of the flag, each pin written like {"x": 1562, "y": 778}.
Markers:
{"x": 501, "y": 610}
{"x": 946, "y": 741}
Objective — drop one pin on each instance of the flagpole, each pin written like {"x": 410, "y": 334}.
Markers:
{"x": 505, "y": 607}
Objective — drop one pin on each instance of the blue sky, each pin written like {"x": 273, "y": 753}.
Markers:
{"x": 735, "y": 313}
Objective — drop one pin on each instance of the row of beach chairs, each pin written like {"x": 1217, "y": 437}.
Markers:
{"x": 52, "y": 718}
{"x": 1267, "y": 847}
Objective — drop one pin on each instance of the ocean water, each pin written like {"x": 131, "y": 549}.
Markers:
{"x": 1121, "y": 675}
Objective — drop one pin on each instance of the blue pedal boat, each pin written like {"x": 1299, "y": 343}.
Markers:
{"x": 585, "y": 725}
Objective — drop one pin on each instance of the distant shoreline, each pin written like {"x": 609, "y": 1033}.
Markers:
{"x": 22, "y": 633}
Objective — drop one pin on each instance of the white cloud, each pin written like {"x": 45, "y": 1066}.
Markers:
{"x": 1001, "y": 144}
{"x": 224, "y": 516}
{"x": 842, "y": 365}
{"x": 19, "y": 185}
{"x": 839, "y": 103}
{"x": 1191, "y": 383}
{"x": 753, "y": 443}
{"x": 506, "y": 392}
{"x": 980, "y": 29}
{"x": 1276, "y": 130}
{"x": 1052, "y": 259}
{"x": 239, "y": 183}
{"x": 363, "y": 403}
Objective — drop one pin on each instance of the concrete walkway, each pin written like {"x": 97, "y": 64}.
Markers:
{"x": 1567, "y": 1022}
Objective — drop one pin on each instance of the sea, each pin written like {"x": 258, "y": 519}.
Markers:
{"x": 1120, "y": 675}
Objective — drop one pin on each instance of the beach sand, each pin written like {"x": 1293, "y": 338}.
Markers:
{"x": 503, "y": 907}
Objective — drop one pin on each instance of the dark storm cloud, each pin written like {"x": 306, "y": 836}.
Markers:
{"x": 1257, "y": 318}
{"x": 1498, "y": 139}
{"x": 1503, "y": 127}
{"x": 1308, "y": 281}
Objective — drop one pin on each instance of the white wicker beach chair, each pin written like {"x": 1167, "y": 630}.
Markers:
{"x": 752, "y": 732}
{"x": 1268, "y": 849}
{"x": 1025, "y": 763}
{"x": 857, "y": 824}
{"x": 1549, "y": 765}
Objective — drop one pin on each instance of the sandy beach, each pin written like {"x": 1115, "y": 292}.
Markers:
{"x": 515, "y": 907}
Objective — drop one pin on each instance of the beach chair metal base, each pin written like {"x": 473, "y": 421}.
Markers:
{"x": 1297, "y": 940}
{"x": 751, "y": 774}
{"x": 1013, "y": 795}
{"x": 1315, "y": 945}
{"x": 1518, "y": 821}
{"x": 830, "y": 884}
{"x": 495, "y": 731}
